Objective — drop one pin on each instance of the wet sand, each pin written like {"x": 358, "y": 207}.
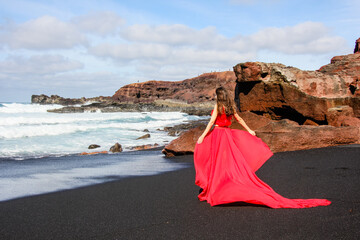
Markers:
{"x": 165, "y": 206}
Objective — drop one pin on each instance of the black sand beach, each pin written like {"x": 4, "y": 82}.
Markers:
{"x": 165, "y": 206}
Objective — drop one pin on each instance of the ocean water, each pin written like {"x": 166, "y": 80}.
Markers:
{"x": 39, "y": 151}
{"x": 50, "y": 174}
{"x": 29, "y": 131}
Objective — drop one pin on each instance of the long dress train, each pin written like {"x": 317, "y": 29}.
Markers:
{"x": 225, "y": 164}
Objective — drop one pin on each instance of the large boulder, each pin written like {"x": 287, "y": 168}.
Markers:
{"x": 184, "y": 144}
{"x": 279, "y": 91}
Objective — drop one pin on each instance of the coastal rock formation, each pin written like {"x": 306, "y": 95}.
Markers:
{"x": 156, "y": 106}
{"x": 283, "y": 135}
{"x": 279, "y": 92}
{"x": 55, "y": 99}
{"x": 184, "y": 144}
{"x": 198, "y": 89}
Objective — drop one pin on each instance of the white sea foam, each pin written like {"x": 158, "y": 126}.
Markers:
{"x": 25, "y": 108}
{"x": 28, "y": 130}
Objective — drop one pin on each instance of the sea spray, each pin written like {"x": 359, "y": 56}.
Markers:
{"x": 29, "y": 131}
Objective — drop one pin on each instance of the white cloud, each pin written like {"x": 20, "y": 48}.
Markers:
{"x": 176, "y": 34}
{"x": 304, "y": 38}
{"x": 46, "y": 32}
{"x": 38, "y": 65}
{"x": 178, "y": 45}
{"x": 99, "y": 23}
{"x": 131, "y": 52}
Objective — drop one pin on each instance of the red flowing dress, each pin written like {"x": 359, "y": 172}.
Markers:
{"x": 225, "y": 164}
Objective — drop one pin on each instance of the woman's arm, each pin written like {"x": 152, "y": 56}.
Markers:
{"x": 208, "y": 127}
{"x": 242, "y": 122}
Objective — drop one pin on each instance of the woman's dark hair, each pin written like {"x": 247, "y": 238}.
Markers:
{"x": 224, "y": 103}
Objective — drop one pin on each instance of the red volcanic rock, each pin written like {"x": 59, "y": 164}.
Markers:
{"x": 282, "y": 92}
{"x": 253, "y": 120}
{"x": 311, "y": 123}
{"x": 342, "y": 116}
{"x": 347, "y": 68}
{"x": 281, "y": 136}
{"x": 198, "y": 89}
{"x": 145, "y": 147}
{"x": 184, "y": 144}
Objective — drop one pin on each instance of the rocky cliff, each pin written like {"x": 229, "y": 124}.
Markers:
{"x": 198, "y": 89}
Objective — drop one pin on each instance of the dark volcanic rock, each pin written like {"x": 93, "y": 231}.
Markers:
{"x": 55, "y": 99}
{"x": 93, "y": 146}
{"x": 184, "y": 144}
{"x": 178, "y": 129}
{"x": 116, "y": 148}
{"x": 136, "y": 107}
{"x": 144, "y": 136}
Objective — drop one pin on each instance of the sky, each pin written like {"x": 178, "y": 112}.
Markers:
{"x": 88, "y": 48}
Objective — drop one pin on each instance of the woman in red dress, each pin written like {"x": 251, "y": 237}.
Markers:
{"x": 226, "y": 161}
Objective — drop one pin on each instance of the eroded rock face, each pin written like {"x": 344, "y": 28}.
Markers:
{"x": 198, "y": 89}
{"x": 282, "y": 92}
{"x": 342, "y": 116}
{"x": 281, "y": 136}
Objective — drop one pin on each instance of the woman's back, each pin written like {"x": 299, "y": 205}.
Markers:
{"x": 223, "y": 120}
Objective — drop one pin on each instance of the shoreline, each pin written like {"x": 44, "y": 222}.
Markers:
{"x": 52, "y": 174}
{"x": 166, "y": 206}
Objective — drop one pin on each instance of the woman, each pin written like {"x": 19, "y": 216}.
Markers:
{"x": 226, "y": 161}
